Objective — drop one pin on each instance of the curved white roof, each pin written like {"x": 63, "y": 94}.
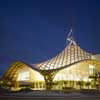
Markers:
{"x": 71, "y": 54}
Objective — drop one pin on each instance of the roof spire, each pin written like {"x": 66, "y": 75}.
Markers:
{"x": 70, "y": 39}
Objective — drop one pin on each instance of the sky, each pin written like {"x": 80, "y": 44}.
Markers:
{"x": 36, "y": 30}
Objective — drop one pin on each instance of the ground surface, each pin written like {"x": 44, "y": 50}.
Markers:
{"x": 49, "y": 98}
{"x": 51, "y": 95}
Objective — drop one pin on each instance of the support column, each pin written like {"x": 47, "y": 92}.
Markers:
{"x": 49, "y": 76}
{"x": 48, "y": 82}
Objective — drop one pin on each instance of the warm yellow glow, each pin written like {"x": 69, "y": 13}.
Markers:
{"x": 36, "y": 76}
{"x": 91, "y": 69}
{"x": 23, "y": 75}
{"x": 64, "y": 77}
{"x": 85, "y": 79}
{"x": 96, "y": 57}
{"x": 91, "y": 66}
{"x": 29, "y": 75}
{"x": 77, "y": 72}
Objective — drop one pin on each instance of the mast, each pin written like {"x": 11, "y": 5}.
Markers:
{"x": 70, "y": 39}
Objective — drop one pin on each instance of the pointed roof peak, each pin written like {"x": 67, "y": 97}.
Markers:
{"x": 70, "y": 38}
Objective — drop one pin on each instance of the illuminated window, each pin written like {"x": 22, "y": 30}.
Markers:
{"x": 23, "y": 75}
{"x": 91, "y": 69}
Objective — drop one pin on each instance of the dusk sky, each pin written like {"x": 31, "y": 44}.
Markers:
{"x": 34, "y": 30}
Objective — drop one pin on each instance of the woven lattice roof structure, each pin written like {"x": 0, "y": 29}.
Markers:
{"x": 70, "y": 55}
{"x": 72, "y": 64}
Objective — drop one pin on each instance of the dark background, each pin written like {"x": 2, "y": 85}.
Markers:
{"x": 33, "y": 30}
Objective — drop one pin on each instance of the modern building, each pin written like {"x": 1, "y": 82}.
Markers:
{"x": 72, "y": 68}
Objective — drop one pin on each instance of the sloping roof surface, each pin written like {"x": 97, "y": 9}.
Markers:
{"x": 71, "y": 54}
